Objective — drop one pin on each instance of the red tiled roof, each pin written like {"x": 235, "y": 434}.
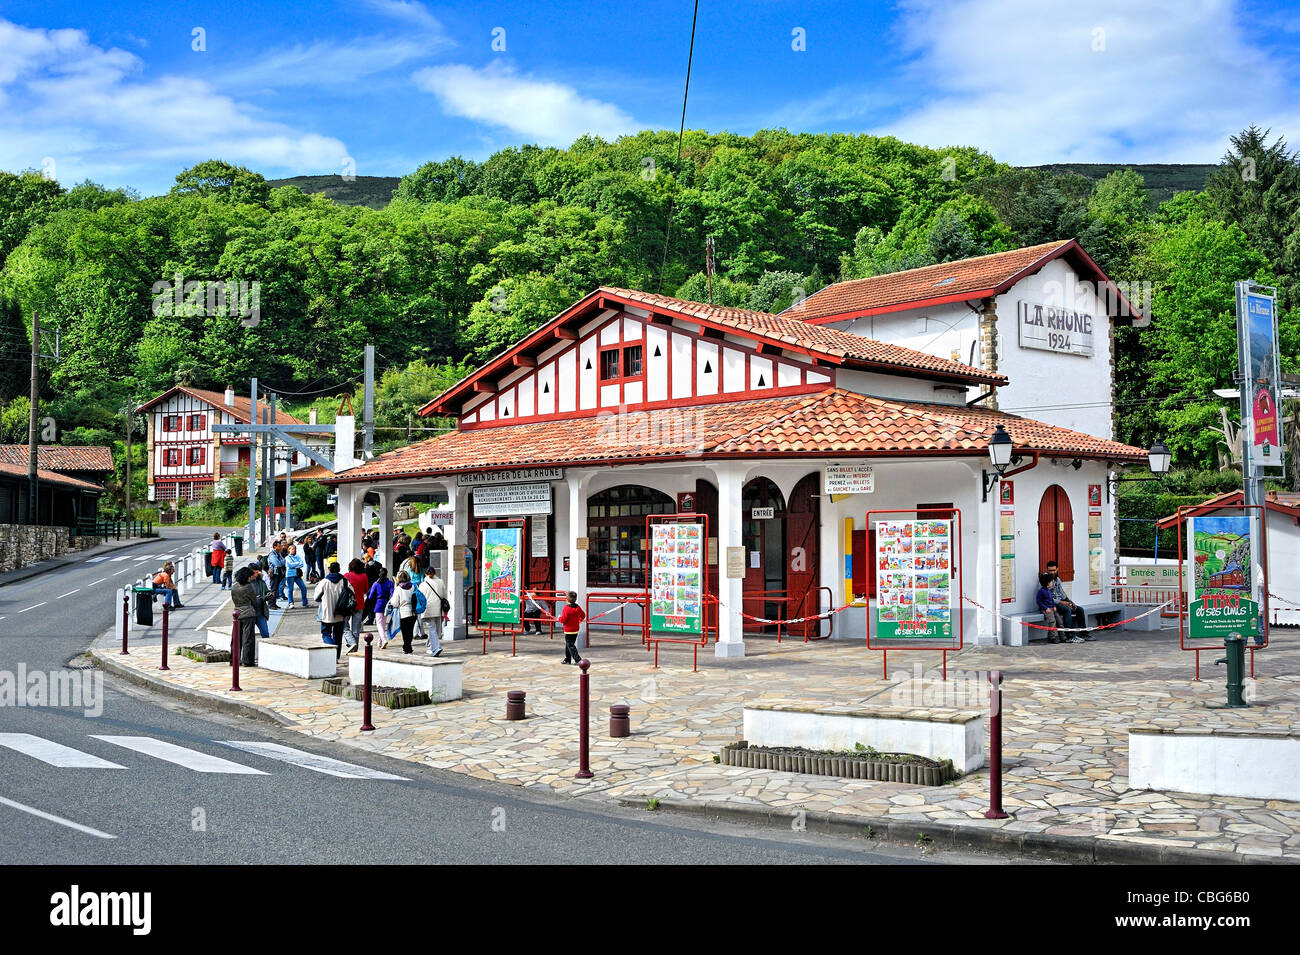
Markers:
{"x": 967, "y": 279}
{"x": 46, "y": 477}
{"x": 240, "y": 410}
{"x": 61, "y": 457}
{"x": 312, "y": 472}
{"x": 1282, "y": 503}
{"x": 833, "y": 422}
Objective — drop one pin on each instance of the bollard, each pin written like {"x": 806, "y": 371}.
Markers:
{"x": 164, "y": 637}
{"x": 126, "y": 620}
{"x": 995, "y": 747}
{"x": 515, "y": 704}
{"x": 584, "y": 715}
{"x": 234, "y": 655}
{"x": 365, "y": 691}
{"x": 620, "y": 722}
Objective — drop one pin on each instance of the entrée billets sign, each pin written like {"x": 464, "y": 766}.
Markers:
{"x": 914, "y": 591}
{"x": 1060, "y": 330}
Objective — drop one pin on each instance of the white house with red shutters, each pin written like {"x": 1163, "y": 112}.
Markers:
{"x": 188, "y": 460}
{"x": 795, "y": 435}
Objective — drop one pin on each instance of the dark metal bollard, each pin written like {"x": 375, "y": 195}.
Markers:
{"x": 620, "y": 722}
{"x": 365, "y": 690}
{"x": 126, "y": 622}
{"x": 164, "y": 665}
{"x": 995, "y": 747}
{"x": 584, "y": 717}
{"x": 234, "y": 656}
{"x": 515, "y": 704}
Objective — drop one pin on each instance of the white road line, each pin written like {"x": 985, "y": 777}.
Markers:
{"x": 33, "y": 607}
{"x": 96, "y": 560}
{"x": 318, "y": 764}
{"x": 189, "y": 758}
{"x": 100, "y": 581}
{"x": 68, "y": 594}
{"x": 59, "y": 819}
{"x": 119, "y": 559}
{"x": 56, "y": 754}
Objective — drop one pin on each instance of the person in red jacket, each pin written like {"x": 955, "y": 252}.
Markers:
{"x": 571, "y": 618}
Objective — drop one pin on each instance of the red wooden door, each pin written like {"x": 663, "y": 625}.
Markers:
{"x": 801, "y": 539}
{"x": 765, "y": 554}
{"x": 541, "y": 574}
{"x": 1056, "y": 531}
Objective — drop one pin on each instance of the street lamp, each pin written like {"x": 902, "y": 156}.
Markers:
{"x": 1159, "y": 459}
{"x": 1000, "y": 455}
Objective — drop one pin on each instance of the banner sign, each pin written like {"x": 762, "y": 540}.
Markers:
{"x": 677, "y": 578}
{"x": 1219, "y": 590}
{"x": 1257, "y": 346}
{"x": 500, "y": 575}
{"x": 510, "y": 499}
{"x": 914, "y": 592}
{"x": 1059, "y": 330}
{"x": 848, "y": 479}
{"x": 1094, "y": 548}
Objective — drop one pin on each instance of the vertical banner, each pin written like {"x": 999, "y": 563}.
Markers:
{"x": 1218, "y": 595}
{"x": 914, "y": 592}
{"x": 1094, "y": 545}
{"x": 677, "y": 577}
{"x": 1007, "y": 538}
{"x": 500, "y": 575}
{"x": 1257, "y": 343}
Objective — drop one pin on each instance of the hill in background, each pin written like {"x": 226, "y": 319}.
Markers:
{"x": 1162, "y": 179}
{"x": 372, "y": 191}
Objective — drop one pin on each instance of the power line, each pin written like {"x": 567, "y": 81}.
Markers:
{"x": 681, "y": 133}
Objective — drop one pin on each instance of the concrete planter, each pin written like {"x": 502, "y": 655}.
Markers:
{"x": 395, "y": 698}
{"x": 204, "y": 654}
{"x": 848, "y": 767}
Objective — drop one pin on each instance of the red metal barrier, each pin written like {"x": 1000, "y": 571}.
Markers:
{"x": 164, "y": 665}
{"x": 584, "y": 716}
{"x": 623, "y": 598}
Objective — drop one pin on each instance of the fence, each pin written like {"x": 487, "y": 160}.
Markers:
{"x": 116, "y": 530}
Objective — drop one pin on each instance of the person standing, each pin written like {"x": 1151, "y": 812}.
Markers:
{"x": 360, "y": 584}
{"x": 412, "y": 566}
{"x": 403, "y": 604}
{"x": 1071, "y": 615}
{"x": 258, "y": 579}
{"x": 228, "y": 570}
{"x": 244, "y": 595}
{"x": 309, "y": 556}
{"x": 218, "y": 560}
{"x": 329, "y": 593}
{"x": 533, "y": 611}
{"x": 571, "y": 618}
{"x": 294, "y": 570}
{"x": 381, "y": 591}
{"x": 435, "y": 608}
{"x": 275, "y": 561}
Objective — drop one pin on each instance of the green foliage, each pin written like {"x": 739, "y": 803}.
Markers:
{"x": 1142, "y": 503}
{"x": 233, "y": 184}
{"x": 308, "y": 497}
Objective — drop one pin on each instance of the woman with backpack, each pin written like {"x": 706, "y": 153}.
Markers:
{"x": 435, "y": 606}
{"x": 337, "y": 603}
{"x": 381, "y": 591}
{"x": 407, "y": 603}
{"x": 412, "y": 566}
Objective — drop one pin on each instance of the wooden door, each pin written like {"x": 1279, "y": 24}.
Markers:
{"x": 765, "y": 554}
{"x": 802, "y": 529}
{"x": 1056, "y": 531}
{"x": 541, "y": 570}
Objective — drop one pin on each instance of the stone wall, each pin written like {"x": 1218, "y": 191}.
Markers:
{"x": 23, "y": 544}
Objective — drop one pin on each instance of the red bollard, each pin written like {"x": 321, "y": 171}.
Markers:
{"x": 164, "y": 666}
{"x": 995, "y": 747}
{"x": 584, "y": 715}
{"x": 234, "y": 656}
{"x": 365, "y": 692}
{"x": 126, "y": 622}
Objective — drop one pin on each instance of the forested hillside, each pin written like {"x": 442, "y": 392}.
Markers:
{"x": 469, "y": 256}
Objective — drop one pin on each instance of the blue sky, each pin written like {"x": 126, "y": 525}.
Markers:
{"x": 118, "y": 93}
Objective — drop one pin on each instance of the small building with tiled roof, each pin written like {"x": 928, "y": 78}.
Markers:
{"x": 91, "y": 463}
{"x": 188, "y": 460}
{"x": 786, "y": 440}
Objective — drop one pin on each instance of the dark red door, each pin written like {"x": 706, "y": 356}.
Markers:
{"x": 541, "y": 574}
{"x": 1056, "y": 531}
{"x": 801, "y": 538}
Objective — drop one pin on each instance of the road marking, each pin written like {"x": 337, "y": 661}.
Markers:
{"x": 59, "y": 819}
{"x": 68, "y": 594}
{"x": 33, "y": 607}
{"x": 56, "y": 754}
{"x": 100, "y": 581}
{"x": 319, "y": 764}
{"x": 189, "y": 758}
{"x": 117, "y": 559}
{"x": 96, "y": 560}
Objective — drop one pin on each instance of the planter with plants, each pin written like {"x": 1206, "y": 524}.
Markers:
{"x": 862, "y": 762}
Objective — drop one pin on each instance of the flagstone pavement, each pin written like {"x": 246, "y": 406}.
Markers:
{"x": 1067, "y": 709}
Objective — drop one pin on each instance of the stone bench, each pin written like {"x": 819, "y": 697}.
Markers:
{"x": 439, "y": 677}
{"x": 937, "y": 734}
{"x": 1016, "y": 635}
{"x": 1216, "y": 761}
{"x": 311, "y": 661}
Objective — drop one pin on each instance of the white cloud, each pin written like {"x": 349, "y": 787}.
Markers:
{"x": 544, "y": 111}
{"x": 1022, "y": 79}
{"x": 95, "y": 113}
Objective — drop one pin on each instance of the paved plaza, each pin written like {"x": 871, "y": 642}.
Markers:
{"x": 1067, "y": 713}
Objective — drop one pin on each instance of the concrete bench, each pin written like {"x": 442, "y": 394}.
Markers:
{"x": 957, "y": 735}
{"x": 1094, "y": 612}
{"x": 1217, "y": 761}
{"x": 1014, "y": 634}
{"x": 439, "y": 677}
{"x": 314, "y": 661}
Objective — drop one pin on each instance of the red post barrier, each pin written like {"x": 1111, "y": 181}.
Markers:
{"x": 234, "y": 655}
{"x": 126, "y": 622}
{"x": 365, "y": 691}
{"x": 164, "y": 665}
{"x": 995, "y": 747}
{"x": 584, "y": 728}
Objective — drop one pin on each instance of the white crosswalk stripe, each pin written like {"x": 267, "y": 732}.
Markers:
{"x": 189, "y": 758}
{"x": 96, "y": 560}
{"x": 56, "y": 754}
{"x": 318, "y": 764}
{"x": 116, "y": 559}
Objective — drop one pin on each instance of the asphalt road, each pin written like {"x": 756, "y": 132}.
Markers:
{"x": 153, "y": 780}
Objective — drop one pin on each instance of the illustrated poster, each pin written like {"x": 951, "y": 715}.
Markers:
{"x": 914, "y": 593}
{"x": 676, "y": 578}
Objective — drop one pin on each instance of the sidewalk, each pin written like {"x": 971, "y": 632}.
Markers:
{"x": 67, "y": 560}
{"x": 1067, "y": 710}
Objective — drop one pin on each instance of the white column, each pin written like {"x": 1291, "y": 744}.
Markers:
{"x": 385, "y": 548}
{"x": 349, "y": 526}
{"x": 982, "y": 576}
{"x": 731, "y": 637}
{"x": 577, "y": 482}
{"x": 457, "y": 534}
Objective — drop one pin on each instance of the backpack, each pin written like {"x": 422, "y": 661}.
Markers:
{"x": 418, "y": 601}
{"x": 346, "y": 605}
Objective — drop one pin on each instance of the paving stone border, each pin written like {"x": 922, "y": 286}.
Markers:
{"x": 829, "y": 764}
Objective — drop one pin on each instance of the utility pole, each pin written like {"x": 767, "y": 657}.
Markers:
{"x": 129, "y": 410}
{"x": 252, "y": 471}
{"x": 368, "y": 422}
{"x": 33, "y": 488}
{"x": 708, "y": 264}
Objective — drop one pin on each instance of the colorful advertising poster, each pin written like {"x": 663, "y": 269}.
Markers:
{"x": 914, "y": 591}
{"x": 1257, "y": 335}
{"x": 1008, "y": 545}
{"x": 1094, "y": 495}
{"x": 1094, "y": 546}
{"x": 499, "y": 575}
{"x": 677, "y": 578}
{"x": 1219, "y": 593}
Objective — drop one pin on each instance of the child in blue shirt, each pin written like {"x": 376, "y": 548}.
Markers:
{"x": 1047, "y": 604}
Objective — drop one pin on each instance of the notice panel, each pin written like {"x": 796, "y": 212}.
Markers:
{"x": 1219, "y": 590}
{"x": 914, "y": 592}
{"x": 677, "y": 578}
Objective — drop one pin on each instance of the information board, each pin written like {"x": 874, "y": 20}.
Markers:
{"x": 914, "y": 592}
{"x": 499, "y": 576}
{"x": 1219, "y": 589}
{"x": 677, "y": 578}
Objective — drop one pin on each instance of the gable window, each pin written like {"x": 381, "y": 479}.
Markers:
{"x": 171, "y": 457}
{"x": 616, "y": 363}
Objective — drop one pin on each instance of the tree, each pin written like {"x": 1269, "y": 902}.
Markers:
{"x": 444, "y": 181}
{"x": 26, "y": 200}
{"x": 233, "y": 184}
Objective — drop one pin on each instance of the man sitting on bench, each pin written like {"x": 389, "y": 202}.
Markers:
{"x": 1070, "y": 613}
